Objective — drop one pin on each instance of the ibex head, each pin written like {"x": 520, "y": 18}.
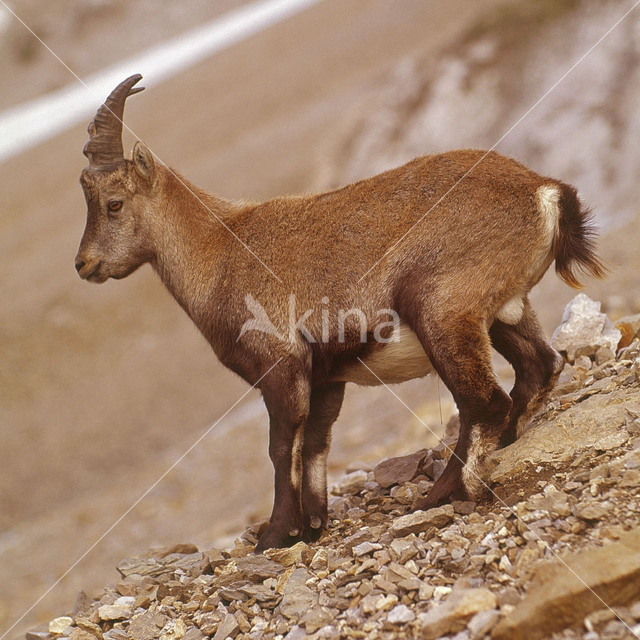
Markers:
{"x": 117, "y": 193}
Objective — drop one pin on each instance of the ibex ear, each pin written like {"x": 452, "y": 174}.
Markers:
{"x": 143, "y": 161}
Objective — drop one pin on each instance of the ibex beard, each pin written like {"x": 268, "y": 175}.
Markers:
{"x": 449, "y": 243}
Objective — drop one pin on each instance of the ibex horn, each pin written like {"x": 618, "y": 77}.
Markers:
{"x": 105, "y": 130}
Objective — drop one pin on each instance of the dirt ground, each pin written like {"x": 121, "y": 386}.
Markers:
{"x": 103, "y": 389}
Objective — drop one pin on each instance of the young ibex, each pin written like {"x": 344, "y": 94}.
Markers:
{"x": 425, "y": 268}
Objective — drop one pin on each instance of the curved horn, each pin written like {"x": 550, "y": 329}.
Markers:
{"x": 105, "y": 130}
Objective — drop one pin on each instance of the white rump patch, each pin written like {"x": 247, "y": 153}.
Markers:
{"x": 511, "y": 311}
{"x": 548, "y": 197}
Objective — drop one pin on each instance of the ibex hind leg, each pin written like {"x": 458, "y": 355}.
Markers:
{"x": 535, "y": 363}
{"x": 325, "y": 406}
{"x": 460, "y": 351}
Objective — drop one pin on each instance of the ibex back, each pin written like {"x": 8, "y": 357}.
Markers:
{"x": 421, "y": 268}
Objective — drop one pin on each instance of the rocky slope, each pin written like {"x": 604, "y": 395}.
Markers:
{"x": 555, "y": 552}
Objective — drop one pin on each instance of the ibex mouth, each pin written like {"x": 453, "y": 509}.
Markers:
{"x": 90, "y": 271}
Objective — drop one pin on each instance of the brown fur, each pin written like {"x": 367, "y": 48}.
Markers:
{"x": 453, "y": 237}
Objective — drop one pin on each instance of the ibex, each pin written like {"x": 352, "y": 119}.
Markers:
{"x": 425, "y": 267}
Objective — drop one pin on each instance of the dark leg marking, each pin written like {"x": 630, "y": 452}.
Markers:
{"x": 325, "y": 407}
{"x": 286, "y": 394}
{"x": 536, "y": 364}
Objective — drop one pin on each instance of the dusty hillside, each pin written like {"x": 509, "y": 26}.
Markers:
{"x": 103, "y": 389}
{"x": 553, "y": 553}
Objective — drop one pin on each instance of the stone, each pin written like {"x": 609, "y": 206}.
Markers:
{"x": 141, "y": 566}
{"x": 400, "y": 614}
{"x": 590, "y": 511}
{"x": 146, "y": 595}
{"x": 558, "y": 442}
{"x": 316, "y": 618}
{"x": 420, "y": 520}
{"x": 296, "y": 633}
{"x": 320, "y": 559}
{"x": 120, "y": 609}
{"x": 378, "y": 602}
{"x": 299, "y": 553}
{"x": 258, "y": 567}
{"x": 453, "y": 615}
{"x": 554, "y": 501}
{"x": 482, "y": 623}
{"x": 90, "y": 627}
{"x": 612, "y": 440}
{"x": 365, "y": 548}
{"x": 193, "y": 564}
{"x": 228, "y": 628}
{"x": 116, "y": 634}
{"x": 583, "y": 362}
{"x": 463, "y": 507}
{"x": 404, "y": 548}
{"x": 215, "y": 557}
{"x": 297, "y": 597}
{"x": 630, "y": 478}
{"x": 176, "y": 630}
{"x": 564, "y": 593}
{"x": 351, "y": 483}
{"x": 604, "y": 354}
{"x": 147, "y": 626}
{"x": 398, "y": 470}
{"x": 629, "y": 327}
{"x": 437, "y": 468}
{"x": 60, "y": 625}
{"x": 584, "y": 326}
{"x": 81, "y": 634}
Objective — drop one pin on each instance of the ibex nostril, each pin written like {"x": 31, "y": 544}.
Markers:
{"x": 79, "y": 265}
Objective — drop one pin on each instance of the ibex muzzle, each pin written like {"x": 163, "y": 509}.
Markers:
{"x": 448, "y": 245}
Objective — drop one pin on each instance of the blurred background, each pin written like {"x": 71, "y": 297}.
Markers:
{"x": 102, "y": 389}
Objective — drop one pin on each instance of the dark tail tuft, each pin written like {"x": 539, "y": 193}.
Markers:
{"x": 574, "y": 245}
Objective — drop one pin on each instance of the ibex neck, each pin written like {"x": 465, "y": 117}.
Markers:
{"x": 188, "y": 242}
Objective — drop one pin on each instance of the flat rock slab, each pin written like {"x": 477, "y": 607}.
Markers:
{"x": 398, "y": 470}
{"x": 563, "y": 593}
{"x": 297, "y": 598}
{"x": 421, "y": 520}
{"x": 454, "y": 614}
{"x": 594, "y": 423}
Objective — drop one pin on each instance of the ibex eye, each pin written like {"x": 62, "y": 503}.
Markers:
{"x": 114, "y": 205}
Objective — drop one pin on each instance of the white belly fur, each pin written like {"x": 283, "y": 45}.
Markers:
{"x": 396, "y": 361}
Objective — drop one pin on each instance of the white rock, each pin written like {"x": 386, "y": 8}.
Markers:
{"x": 583, "y": 325}
{"x": 173, "y": 630}
{"x": 366, "y": 547}
{"x": 400, "y": 614}
{"x": 59, "y": 625}
{"x": 121, "y": 608}
{"x": 440, "y": 592}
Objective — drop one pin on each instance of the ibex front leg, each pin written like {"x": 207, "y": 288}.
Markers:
{"x": 325, "y": 406}
{"x": 287, "y": 400}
